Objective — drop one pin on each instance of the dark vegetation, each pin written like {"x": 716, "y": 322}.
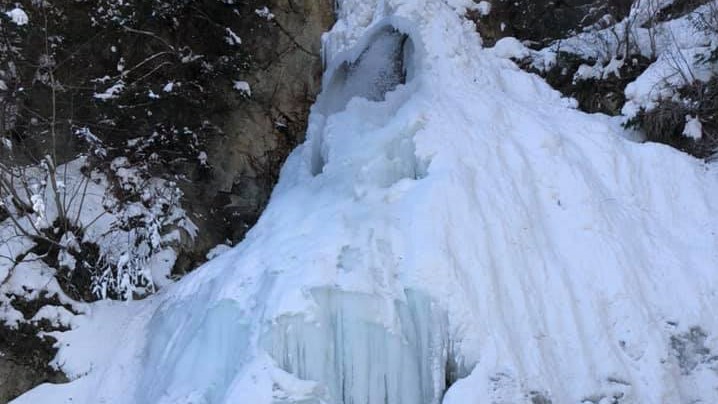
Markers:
{"x": 173, "y": 64}
{"x": 144, "y": 81}
{"x": 55, "y": 67}
{"x": 678, "y": 8}
{"x": 540, "y": 24}
{"x": 665, "y": 123}
{"x": 605, "y": 95}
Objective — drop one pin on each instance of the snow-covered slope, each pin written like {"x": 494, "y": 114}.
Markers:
{"x": 450, "y": 223}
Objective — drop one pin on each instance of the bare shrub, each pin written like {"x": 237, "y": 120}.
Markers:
{"x": 666, "y": 122}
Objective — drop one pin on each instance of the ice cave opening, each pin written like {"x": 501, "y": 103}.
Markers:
{"x": 382, "y": 61}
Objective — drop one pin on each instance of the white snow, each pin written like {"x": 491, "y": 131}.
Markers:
{"x": 14, "y": 244}
{"x": 38, "y": 206}
{"x": 264, "y": 13}
{"x": 202, "y": 158}
{"x": 30, "y": 278}
{"x": 64, "y": 257}
{"x": 484, "y": 8}
{"x": 217, "y": 251}
{"x": 510, "y": 48}
{"x": 243, "y": 87}
{"x": 90, "y": 342}
{"x": 671, "y": 70}
{"x": 18, "y": 16}
{"x": 465, "y": 225}
{"x": 142, "y": 255}
{"x": 161, "y": 264}
{"x": 693, "y": 128}
{"x": 111, "y": 92}
{"x": 58, "y": 316}
{"x": 586, "y": 72}
{"x": 232, "y": 38}
{"x": 613, "y": 68}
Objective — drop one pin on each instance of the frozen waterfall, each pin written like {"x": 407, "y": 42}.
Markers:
{"x": 360, "y": 347}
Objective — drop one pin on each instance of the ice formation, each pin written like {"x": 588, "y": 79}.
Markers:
{"x": 451, "y": 231}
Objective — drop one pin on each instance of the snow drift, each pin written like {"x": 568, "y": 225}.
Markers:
{"x": 451, "y": 231}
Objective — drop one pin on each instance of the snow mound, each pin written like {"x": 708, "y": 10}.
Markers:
{"x": 451, "y": 230}
{"x": 510, "y": 48}
{"x": 18, "y": 16}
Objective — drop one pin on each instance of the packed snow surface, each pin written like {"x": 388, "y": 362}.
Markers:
{"x": 451, "y": 231}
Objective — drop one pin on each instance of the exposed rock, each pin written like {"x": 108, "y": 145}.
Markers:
{"x": 285, "y": 77}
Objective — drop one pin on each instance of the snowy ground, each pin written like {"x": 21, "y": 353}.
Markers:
{"x": 465, "y": 226}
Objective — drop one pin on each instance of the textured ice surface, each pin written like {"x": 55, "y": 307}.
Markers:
{"x": 467, "y": 229}
{"x": 378, "y": 69}
{"x": 199, "y": 353}
{"x": 357, "y": 357}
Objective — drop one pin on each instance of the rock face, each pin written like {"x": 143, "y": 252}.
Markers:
{"x": 258, "y": 135}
